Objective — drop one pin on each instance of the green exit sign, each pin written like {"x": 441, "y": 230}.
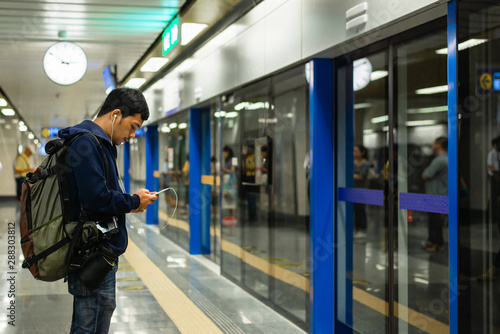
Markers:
{"x": 170, "y": 36}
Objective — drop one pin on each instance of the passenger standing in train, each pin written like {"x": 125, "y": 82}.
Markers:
{"x": 361, "y": 169}
{"x": 96, "y": 189}
{"x": 229, "y": 194}
{"x": 436, "y": 183}
{"x": 185, "y": 171}
{"x": 493, "y": 162}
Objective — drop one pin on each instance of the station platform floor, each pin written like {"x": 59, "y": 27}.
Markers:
{"x": 160, "y": 289}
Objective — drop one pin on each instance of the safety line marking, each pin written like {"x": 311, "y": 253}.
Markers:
{"x": 184, "y": 313}
{"x": 271, "y": 269}
{"x": 414, "y": 318}
{"x": 127, "y": 279}
{"x": 409, "y": 315}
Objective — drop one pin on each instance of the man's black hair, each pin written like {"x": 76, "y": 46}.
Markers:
{"x": 130, "y": 101}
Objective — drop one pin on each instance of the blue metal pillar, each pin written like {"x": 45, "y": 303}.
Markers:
{"x": 152, "y": 171}
{"x": 206, "y": 189}
{"x": 453, "y": 164}
{"x": 126, "y": 167}
{"x": 321, "y": 192}
{"x": 199, "y": 164}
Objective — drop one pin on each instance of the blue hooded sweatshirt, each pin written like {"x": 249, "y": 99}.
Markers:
{"x": 87, "y": 181}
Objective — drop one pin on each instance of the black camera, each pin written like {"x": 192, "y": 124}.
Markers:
{"x": 98, "y": 264}
{"x": 107, "y": 227}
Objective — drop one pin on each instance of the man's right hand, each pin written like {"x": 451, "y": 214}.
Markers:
{"x": 146, "y": 199}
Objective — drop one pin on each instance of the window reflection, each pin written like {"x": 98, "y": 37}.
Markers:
{"x": 174, "y": 172}
{"x": 479, "y": 128}
{"x": 265, "y": 191}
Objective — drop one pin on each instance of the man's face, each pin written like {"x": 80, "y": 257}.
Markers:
{"x": 436, "y": 147}
{"x": 124, "y": 128}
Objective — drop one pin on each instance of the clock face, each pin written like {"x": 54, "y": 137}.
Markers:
{"x": 65, "y": 63}
{"x": 362, "y": 70}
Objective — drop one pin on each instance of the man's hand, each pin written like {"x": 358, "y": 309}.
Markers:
{"x": 146, "y": 199}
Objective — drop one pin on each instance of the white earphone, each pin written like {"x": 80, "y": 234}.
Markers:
{"x": 112, "y": 127}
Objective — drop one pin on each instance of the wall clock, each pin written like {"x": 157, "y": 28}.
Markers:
{"x": 362, "y": 70}
{"x": 65, "y": 63}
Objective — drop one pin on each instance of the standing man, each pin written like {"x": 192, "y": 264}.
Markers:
{"x": 96, "y": 189}
{"x": 436, "y": 183}
{"x": 493, "y": 163}
{"x": 23, "y": 167}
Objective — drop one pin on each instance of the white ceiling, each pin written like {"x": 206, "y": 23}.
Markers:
{"x": 109, "y": 31}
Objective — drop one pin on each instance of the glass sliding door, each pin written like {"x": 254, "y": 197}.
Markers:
{"x": 478, "y": 166}
{"x": 362, "y": 221}
{"x": 264, "y": 191}
{"x": 392, "y": 187}
{"x": 421, "y": 203}
{"x": 174, "y": 172}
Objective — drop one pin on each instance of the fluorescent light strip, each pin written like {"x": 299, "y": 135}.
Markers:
{"x": 8, "y": 112}
{"x": 432, "y": 90}
{"x": 362, "y": 105}
{"x": 135, "y": 82}
{"x": 232, "y": 114}
{"x": 380, "y": 119}
{"x": 154, "y": 64}
{"x": 3, "y": 103}
{"x": 464, "y": 45}
{"x": 183, "y": 125}
{"x": 421, "y": 123}
{"x": 376, "y": 75}
{"x": 427, "y": 110}
{"x": 221, "y": 113}
{"x": 190, "y": 30}
{"x": 172, "y": 125}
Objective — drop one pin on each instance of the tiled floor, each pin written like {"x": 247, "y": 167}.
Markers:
{"x": 42, "y": 307}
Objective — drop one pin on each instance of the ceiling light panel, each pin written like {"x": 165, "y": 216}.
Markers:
{"x": 135, "y": 83}
{"x": 8, "y": 112}
{"x": 190, "y": 30}
{"x": 154, "y": 64}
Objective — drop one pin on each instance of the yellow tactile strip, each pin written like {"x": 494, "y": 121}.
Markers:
{"x": 184, "y": 313}
{"x": 404, "y": 313}
{"x": 414, "y": 318}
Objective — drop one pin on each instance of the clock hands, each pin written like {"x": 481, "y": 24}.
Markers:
{"x": 62, "y": 61}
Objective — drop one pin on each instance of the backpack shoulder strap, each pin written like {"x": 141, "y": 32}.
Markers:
{"x": 103, "y": 154}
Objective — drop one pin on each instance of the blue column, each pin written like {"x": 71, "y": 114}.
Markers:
{"x": 321, "y": 192}
{"x": 152, "y": 172}
{"x": 199, "y": 164}
{"x": 453, "y": 164}
{"x": 206, "y": 189}
{"x": 126, "y": 167}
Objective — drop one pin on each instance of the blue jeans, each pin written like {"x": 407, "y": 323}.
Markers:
{"x": 92, "y": 309}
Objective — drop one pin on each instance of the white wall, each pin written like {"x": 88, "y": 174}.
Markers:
{"x": 277, "y": 34}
